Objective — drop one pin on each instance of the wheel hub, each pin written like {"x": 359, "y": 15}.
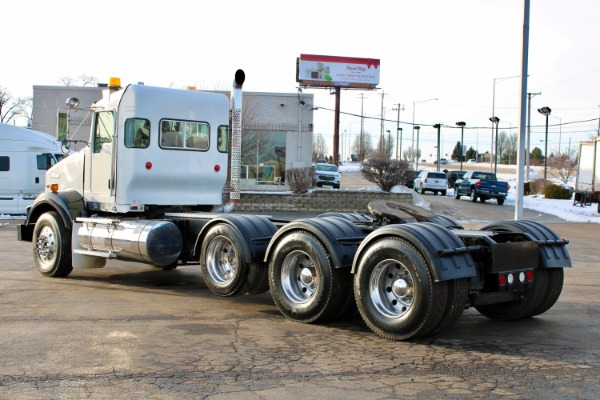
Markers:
{"x": 299, "y": 277}
{"x": 391, "y": 288}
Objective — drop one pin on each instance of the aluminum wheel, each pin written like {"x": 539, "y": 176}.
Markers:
{"x": 299, "y": 277}
{"x": 45, "y": 249}
{"x": 391, "y": 288}
{"x": 221, "y": 260}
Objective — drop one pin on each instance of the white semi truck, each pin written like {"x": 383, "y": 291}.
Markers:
{"x": 150, "y": 188}
{"x": 587, "y": 186}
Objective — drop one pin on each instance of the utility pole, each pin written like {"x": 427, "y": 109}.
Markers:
{"x": 362, "y": 126}
{"x": 398, "y": 144}
{"x": 527, "y": 139}
{"x": 381, "y": 137}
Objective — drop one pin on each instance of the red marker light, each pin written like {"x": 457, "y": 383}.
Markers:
{"x": 217, "y": 168}
{"x": 148, "y": 165}
{"x": 529, "y": 276}
{"x": 502, "y": 280}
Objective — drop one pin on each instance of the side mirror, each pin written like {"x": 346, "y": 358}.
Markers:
{"x": 65, "y": 146}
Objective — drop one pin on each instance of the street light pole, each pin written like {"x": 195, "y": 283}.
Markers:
{"x": 413, "y": 122}
{"x": 462, "y": 143}
{"x": 495, "y": 120}
{"x": 438, "y": 127}
{"x": 494, "y": 111}
{"x": 398, "y": 129}
{"x": 416, "y": 151}
{"x": 545, "y": 111}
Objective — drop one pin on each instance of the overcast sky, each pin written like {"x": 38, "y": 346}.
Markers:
{"x": 446, "y": 49}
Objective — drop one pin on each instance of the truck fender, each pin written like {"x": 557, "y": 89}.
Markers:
{"x": 68, "y": 204}
{"x": 442, "y": 249}
{"x": 553, "y": 252}
{"x": 339, "y": 235}
{"x": 256, "y": 230}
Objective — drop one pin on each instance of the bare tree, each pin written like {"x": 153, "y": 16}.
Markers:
{"x": 564, "y": 166}
{"x": 319, "y": 147}
{"x": 366, "y": 148}
{"x": 88, "y": 80}
{"x": 66, "y": 81}
{"x": 12, "y": 108}
{"x": 411, "y": 154}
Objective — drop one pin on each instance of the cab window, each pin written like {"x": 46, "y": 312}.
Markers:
{"x": 137, "y": 133}
{"x": 184, "y": 135}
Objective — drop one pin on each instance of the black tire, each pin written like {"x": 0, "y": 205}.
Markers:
{"x": 422, "y": 190}
{"x": 336, "y": 186}
{"x": 526, "y": 307}
{"x": 443, "y": 192}
{"x": 458, "y": 294}
{"x": 556, "y": 279}
{"x": 395, "y": 292}
{"x": 456, "y": 193}
{"x": 482, "y": 199}
{"x": 224, "y": 266}
{"x": 52, "y": 246}
{"x": 303, "y": 282}
{"x": 473, "y": 195}
{"x": 500, "y": 201}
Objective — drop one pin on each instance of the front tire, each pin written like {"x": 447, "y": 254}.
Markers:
{"x": 52, "y": 246}
{"x": 456, "y": 193}
{"x": 395, "y": 292}
{"x": 303, "y": 282}
{"x": 500, "y": 201}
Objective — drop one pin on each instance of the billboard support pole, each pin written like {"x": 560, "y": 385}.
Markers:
{"x": 336, "y": 132}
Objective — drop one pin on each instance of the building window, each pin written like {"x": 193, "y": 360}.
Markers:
{"x": 263, "y": 156}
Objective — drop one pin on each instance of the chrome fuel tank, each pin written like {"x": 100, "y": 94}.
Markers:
{"x": 153, "y": 242}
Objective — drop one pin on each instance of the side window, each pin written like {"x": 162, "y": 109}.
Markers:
{"x": 170, "y": 134}
{"x": 4, "y": 163}
{"x": 45, "y": 161}
{"x": 104, "y": 129}
{"x": 223, "y": 138}
{"x": 137, "y": 133}
{"x": 196, "y": 136}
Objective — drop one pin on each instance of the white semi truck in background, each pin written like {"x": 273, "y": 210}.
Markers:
{"x": 150, "y": 188}
{"x": 587, "y": 185}
{"x": 25, "y": 156}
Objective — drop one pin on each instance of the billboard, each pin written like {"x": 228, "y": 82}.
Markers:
{"x": 350, "y": 72}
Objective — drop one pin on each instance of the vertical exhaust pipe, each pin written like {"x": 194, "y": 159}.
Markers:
{"x": 235, "y": 147}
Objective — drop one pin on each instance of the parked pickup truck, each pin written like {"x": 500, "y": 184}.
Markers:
{"x": 482, "y": 185}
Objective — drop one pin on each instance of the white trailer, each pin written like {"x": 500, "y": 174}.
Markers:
{"x": 587, "y": 186}
{"x": 159, "y": 159}
{"x": 25, "y": 156}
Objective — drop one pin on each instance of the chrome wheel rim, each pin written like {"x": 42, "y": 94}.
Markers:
{"x": 221, "y": 260}
{"x": 299, "y": 277}
{"x": 45, "y": 248}
{"x": 392, "y": 288}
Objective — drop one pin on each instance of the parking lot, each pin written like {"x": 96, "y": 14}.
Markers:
{"x": 132, "y": 331}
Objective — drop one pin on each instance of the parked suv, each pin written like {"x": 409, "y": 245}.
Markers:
{"x": 431, "y": 180}
{"x": 327, "y": 175}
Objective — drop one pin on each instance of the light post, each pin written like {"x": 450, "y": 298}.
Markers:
{"x": 389, "y": 145}
{"x": 438, "y": 127}
{"x": 494, "y": 111}
{"x": 545, "y": 111}
{"x": 413, "y": 121}
{"x": 462, "y": 143}
{"x": 416, "y": 151}
{"x": 398, "y": 129}
{"x": 399, "y": 144}
{"x": 495, "y": 120}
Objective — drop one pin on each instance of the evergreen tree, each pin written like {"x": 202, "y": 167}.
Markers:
{"x": 457, "y": 153}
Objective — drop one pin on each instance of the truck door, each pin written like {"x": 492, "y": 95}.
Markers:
{"x": 102, "y": 169}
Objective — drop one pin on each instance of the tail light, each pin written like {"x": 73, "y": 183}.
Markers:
{"x": 507, "y": 187}
{"x": 478, "y": 184}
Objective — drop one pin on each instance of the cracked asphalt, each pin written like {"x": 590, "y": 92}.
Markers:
{"x": 130, "y": 331}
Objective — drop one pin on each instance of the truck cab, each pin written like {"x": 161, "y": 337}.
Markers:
{"x": 150, "y": 148}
